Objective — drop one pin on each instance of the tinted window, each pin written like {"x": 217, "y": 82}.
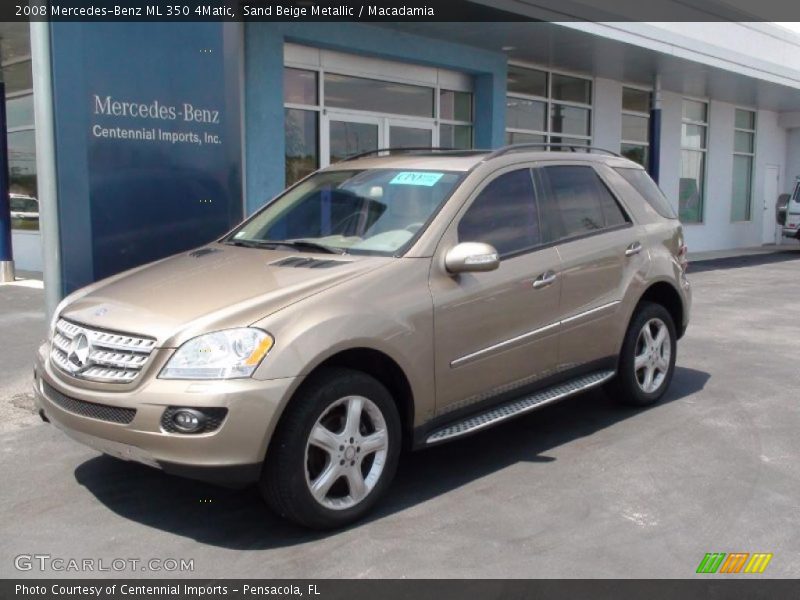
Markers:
{"x": 641, "y": 181}
{"x": 579, "y": 202}
{"x": 504, "y": 215}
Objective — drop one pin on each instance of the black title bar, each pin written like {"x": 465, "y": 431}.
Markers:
{"x": 412, "y": 589}
{"x": 400, "y": 10}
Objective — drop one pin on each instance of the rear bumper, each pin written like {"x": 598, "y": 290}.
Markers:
{"x": 791, "y": 233}
{"x": 230, "y": 455}
{"x": 686, "y": 300}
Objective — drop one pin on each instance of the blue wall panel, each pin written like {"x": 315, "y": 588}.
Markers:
{"x": 148, "y": 141}
{"x": 264, "y": 89}
{"x": 125, "y": 202}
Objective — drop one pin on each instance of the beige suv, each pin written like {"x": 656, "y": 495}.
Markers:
{"x": 391, "y": 301}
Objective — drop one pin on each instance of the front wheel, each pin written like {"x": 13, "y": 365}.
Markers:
{"x": 647, "y": 360}
{"x": 335, "y": 451}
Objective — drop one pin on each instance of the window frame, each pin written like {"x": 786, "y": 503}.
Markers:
{"x": 548, "y": 134}
{"x": 704, "y": 150}
{"x": 751, "y": 155}
{"x": 488, "y": 180}
{"x": 321, "y": 107}
{"x": 636, "y": 113}
{"x": 25, "y": 128}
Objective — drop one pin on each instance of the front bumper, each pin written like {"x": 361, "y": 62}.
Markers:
{"x": 232, "y": 454}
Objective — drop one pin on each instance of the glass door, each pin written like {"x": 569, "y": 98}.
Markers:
{"x": 344, "y": 135}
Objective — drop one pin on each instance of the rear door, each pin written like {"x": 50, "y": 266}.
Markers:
{"x": 496, "y": 331}
{"x": 600, "y": 250}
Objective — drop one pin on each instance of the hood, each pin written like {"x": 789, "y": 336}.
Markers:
{"x": 214, "y": 287}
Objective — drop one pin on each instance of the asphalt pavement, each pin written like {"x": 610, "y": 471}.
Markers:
{"x": 584, "y": 488}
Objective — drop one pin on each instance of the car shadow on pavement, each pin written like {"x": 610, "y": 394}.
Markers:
{"x": 238, "y": 519}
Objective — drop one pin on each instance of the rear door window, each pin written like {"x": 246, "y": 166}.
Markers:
{"x": 578, "y": 202}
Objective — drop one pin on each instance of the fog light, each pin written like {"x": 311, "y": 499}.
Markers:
{"x": 188, "y": 420}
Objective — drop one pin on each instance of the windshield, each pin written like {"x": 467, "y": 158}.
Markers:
{"x": 374, "y": 211}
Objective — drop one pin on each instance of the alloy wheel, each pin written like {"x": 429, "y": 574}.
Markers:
{"x": 346, "y": 452}
{"x": 652, "y": 357}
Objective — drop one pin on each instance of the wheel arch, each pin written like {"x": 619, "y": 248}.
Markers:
{"x": 665, "y": 294}
{"x": 374, "y": 363}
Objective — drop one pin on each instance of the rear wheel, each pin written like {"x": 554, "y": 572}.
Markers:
{"x": 335, "y": 451}
{"x": 647, "y": 360}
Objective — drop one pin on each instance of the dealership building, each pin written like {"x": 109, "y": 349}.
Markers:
{"x": 139, "y": 140}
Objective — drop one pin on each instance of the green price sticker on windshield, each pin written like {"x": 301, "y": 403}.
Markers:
{"x": 425, "y": 178}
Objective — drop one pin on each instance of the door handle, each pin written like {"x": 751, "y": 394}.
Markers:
{"x": 634, "y": 248}
{"x": 544, "y": 280}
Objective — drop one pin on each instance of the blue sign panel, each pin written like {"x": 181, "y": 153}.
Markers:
{"x": 148, "y": 141}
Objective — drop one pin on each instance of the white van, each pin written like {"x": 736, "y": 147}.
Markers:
{"x": 789, "y": 213}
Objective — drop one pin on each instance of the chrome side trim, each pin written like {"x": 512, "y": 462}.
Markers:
{"x": 587, "y": 313}
{"x": 499, "y": 346}
{"x": 514, "y": 408}
{"x": 531, "y": 334}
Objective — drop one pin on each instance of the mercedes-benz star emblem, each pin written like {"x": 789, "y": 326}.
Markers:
{"x": 79, "y": 350}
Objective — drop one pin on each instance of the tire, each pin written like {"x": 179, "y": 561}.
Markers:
{"x": 631, "y": 386}
{"x": 339, "y": 452}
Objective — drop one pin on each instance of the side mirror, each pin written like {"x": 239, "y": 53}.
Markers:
{"x": 781, "y": 207}
{"x": 470, "y": 257}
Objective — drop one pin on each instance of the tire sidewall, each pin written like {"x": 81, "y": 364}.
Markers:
{"x": 312, "y": 403}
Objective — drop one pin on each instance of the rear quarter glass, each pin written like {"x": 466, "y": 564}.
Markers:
{"x": 647, "y": 189}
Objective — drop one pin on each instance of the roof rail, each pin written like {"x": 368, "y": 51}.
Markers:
{"x": 414, "y": 149}
{"x": 531, "y": 145}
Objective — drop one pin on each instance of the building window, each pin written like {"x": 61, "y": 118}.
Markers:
{"x": 373, "y": 95}
{"x": 635, "y": 125}
{"x": 301, "y": 122}
{"x": 21, "y": 143}
{"x": 544, "y": 107}
{"x": 744, "y": 148}
{"x": 455, "y": 119}
{"x": 354, "y": 113}
{"x": 694, "y": 141}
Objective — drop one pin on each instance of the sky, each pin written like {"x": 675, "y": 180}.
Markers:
{"x": 793, "y": 26}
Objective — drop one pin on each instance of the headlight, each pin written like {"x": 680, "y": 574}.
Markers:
{"x": 220, "y": 355}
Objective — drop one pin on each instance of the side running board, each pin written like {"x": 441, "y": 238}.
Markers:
{"x": 498, "y": 414}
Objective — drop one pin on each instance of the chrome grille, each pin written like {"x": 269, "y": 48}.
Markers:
{"x": 98, "y": 355}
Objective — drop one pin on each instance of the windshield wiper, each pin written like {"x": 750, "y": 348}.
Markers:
{"x": 251, "y": 243}
{"x": 300, "y": 244}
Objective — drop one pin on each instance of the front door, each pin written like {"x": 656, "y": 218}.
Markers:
{"x": 496, "y": 331}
